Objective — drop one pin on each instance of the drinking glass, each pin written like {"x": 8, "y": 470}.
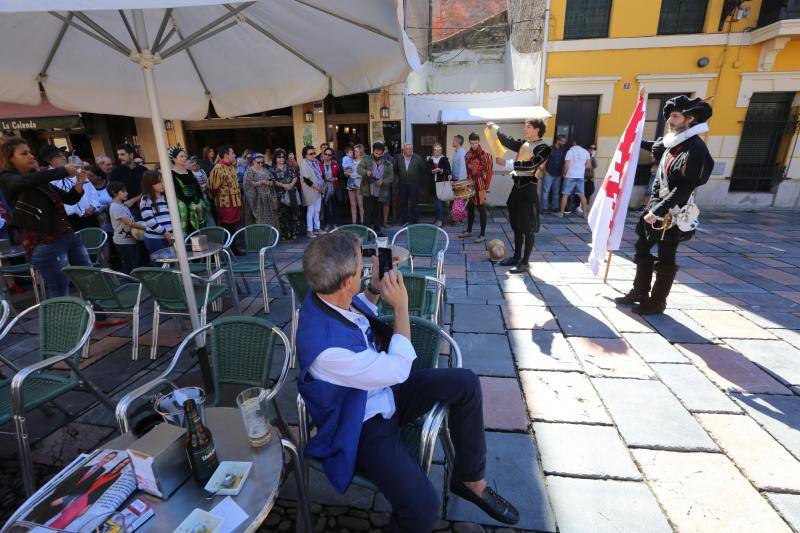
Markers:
{"x": 255, "y": 414}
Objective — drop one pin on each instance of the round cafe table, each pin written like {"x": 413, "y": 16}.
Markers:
{"x": 256, "y": 498}
{"x": 399, "y": 256}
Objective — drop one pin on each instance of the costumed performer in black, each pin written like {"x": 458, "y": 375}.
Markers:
{"x": 671, "y": 216}
{"x": 529, "y": 157}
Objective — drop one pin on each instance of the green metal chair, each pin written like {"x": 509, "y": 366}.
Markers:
{"x": 65, "y": 327}
{"x": 241, "y": 350}
{"x": 423, "y": 241}
{"x": 169, "y": 298}
{"x": 299, "y": 286}
{"x": 422, "y": 301}
{"x": 112, "y": 292}
{"x": 24, "y": 270}
{"x": 94, "y": 239}
{"x": 216, "y": 235}
{"x": 260, "y": 241}
{"x": 418, "y": 436}
{"x": 367, "y": 235}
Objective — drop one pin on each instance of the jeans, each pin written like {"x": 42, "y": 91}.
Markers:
{"x": 49, "y": 259}
{"x": 312, "y": 214}
{"x": 383, "y": 458}
{"x": 154, "y": 245}
{"x": 551, "y": 191}
{"x": 409, "y": 200}
{"x": 131, "y": 256}
{"x": 439, "y": 205}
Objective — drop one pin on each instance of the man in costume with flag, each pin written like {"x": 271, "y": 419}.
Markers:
{"x": 671, "y": 216}
{"x": 529, "y": 156}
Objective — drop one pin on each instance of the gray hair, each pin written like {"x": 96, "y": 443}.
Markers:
{"x": 330, "y": 259}
{"x": 100, "y": 158}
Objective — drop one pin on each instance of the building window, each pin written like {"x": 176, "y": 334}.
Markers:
{"x": 776, "y": 10}
{"x": 682, "y": 16}
{"x": 768, "y": 129}
{"x": 587, "y": 19}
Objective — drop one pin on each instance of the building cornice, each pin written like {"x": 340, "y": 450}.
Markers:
{"x": 752, "y": 82}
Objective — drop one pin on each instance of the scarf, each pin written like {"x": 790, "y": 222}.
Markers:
{"x": 377, "y": 175}
{"x": 674, "y": 139}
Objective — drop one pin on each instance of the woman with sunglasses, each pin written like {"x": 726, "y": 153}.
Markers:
{"x": 259, "y": 192}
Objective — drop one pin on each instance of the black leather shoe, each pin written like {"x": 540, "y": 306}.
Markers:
{"x": 509, "y": 261}
{"x": 490, "y": 502}
{"x": 521, "y": 268}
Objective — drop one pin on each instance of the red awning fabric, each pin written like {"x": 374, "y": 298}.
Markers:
{"x": 44, "y": 116}
{"x": 45, "y": 109}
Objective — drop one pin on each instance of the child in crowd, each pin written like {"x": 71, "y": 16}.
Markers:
{"x": 123, "y": 225}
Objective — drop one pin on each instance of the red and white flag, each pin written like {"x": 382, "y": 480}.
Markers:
{"x": 607, "y": 216}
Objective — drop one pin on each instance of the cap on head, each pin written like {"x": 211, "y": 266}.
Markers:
{"x": 690, "y": 107}
{"x": 48, "y": 151}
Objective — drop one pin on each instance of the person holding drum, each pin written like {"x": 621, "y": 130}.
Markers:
{"x": 479, "y": 171}
{"x": 529, "y": 156}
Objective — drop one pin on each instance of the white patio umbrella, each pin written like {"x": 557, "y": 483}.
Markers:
{"x": 245, "y": 57}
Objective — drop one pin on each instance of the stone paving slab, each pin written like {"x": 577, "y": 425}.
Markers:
{"x": 774, "y": 318}
{"x": 511, "y": 465}
{"x": 676, "y": 326}
{"x": 600, "y": 506}
{"x": 694, "y": 390}
{"x": 583, "y": 321}
{"x": 730, "y": 370}
{"x": 542, "y": 350}
{"x": 729, "y": 324}
{"x": 528, "y": 317}
{"x": 503, "y": 407}
{"x": 654, "y": 348}
{"x": 471, "y": 318}
{"x": 778, "y": 358}
{"x": 788, "y": 505}
{"x": 760, "y": 457}
{"x": 581, "y": 450}
{"x": 486, "y": 354}
{"x": 562, "y": 397}
{"x": 649, "y": 416}
{"x": 779, "y": 415}
{"x": 704, "y": 492}
{"x": 626, "y": 321}
{"x": 609, "y": 358}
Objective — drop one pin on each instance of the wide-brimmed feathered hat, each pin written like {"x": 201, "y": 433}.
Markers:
{"x": 693, "y": 107}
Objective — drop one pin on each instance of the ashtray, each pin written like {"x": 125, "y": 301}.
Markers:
{"x": 200, "y": 521}
{"x": 236, "y": 473}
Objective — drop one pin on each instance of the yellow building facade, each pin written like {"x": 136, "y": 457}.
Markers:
{"x": 599, "y": 53}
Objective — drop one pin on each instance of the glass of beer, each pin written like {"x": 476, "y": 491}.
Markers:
{"x": 254, "y": 407}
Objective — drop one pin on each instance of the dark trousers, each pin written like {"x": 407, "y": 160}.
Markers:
{"x": 409, "y": 200}
{"x": 329, "y": 207}
{"x": 383, "y": 459}
{"x": 666, "y": 249}
{"x": 471, "y": 216}
{"x": 373, "y": 212}
{"x": 131, "y": 256}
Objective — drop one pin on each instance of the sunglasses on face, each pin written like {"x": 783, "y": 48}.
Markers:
{"x": 258, "y": 162}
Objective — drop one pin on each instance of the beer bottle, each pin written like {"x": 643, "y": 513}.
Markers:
{"x": 199, "y": 444}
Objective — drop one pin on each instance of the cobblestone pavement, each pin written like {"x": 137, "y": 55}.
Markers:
{"x": 597, "y": 419}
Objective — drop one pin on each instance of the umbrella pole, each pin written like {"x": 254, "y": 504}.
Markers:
{"x": 146, "y": 62}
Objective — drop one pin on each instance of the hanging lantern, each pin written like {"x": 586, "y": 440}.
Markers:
{"x": 384, "y": 111}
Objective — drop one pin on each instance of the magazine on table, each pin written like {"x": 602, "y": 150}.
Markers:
{"x": 87, "y": 497}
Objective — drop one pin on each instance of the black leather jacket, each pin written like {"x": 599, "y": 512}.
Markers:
{"x": 30, "y": 201}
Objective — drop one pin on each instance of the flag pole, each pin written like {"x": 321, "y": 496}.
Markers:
{"x": 608, "y": 266}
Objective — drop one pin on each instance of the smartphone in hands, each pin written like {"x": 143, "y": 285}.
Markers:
{"x": 384, "y": 261}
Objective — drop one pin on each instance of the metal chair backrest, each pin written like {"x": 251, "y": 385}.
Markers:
{"x": 94, "y": 283}
{"x": 426, "y": 337}
{"x": 215, "y": 234}
{"x": 367, "y": 235}
{"x": 256, "y": 237}
{"x": 242, "y": 350}
{"x": 63, "y": 321}
{"x": 421, "y": 300}
{"x": 422, "y": 240}
{"x": 93, "y": 239}
{"x": 298, "y": 282}
{"x": 164, "y": 285}
{"x": 5, "y": 312}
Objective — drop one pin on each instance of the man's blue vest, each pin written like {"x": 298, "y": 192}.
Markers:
{"x": 337, "y": 411}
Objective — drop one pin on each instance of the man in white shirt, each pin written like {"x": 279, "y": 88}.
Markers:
{"x": 458, "y": 167}
{"x": 577, "y": 160}
{"x": 81, "y": 215}
{"x": 357, "y": 382}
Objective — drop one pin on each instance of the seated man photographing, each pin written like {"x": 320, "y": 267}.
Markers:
{"x": 356, "y": 380}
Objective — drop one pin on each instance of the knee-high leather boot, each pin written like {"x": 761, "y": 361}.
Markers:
{"x": 665, "y": 276}
{"x": 641, "y": 282}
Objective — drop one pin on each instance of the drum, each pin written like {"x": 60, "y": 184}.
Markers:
{"x": 463, "y": 189}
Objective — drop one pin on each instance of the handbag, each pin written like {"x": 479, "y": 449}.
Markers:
{"x": 686, "y": 217}
{"x": 287, "y": 200}
{"x": 444, "y": 190}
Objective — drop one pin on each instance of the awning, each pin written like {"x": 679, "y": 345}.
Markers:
{"x": 44, "y": 116}
{"x": 494, "y": 114}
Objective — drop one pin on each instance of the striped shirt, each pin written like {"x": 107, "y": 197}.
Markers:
{"x": 157, "y": 222}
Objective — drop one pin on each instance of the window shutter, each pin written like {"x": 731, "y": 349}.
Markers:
{"x": 587, "y": 19}
{"x": 682, "y": 16}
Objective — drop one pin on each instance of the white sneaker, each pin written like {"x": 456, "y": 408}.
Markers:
{"x": 579, "y": 210}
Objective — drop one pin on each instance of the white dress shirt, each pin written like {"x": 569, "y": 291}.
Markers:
{"x": 90, "y": 195}
{"x": 458, "y": 167}
{"x": 368, "y": 370}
